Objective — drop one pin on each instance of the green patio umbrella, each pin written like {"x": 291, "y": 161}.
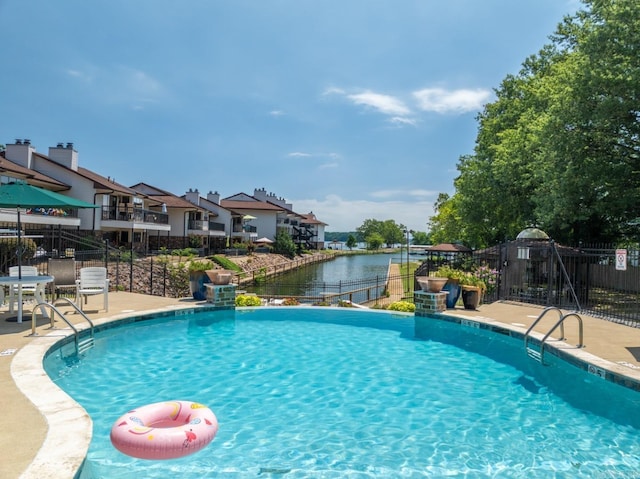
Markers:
{"x": 22, "y": 195}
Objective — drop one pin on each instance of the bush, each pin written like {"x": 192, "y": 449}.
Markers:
{"x": 404, "y": 306}
{"x": 248, "y": 300}
{"x": 290, "y": 302}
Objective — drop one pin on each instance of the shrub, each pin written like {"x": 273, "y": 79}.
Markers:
{"x": 404, "y": 306}
{"x": 248, "y": 300}
{"x": 200, "y": 265}
{"x": 344, "y": 304}
{"x": 290, "y": 302}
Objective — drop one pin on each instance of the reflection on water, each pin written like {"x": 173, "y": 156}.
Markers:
{"x": 328, "y": 277}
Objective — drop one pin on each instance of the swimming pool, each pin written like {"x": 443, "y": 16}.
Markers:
{"x": 328, "y": 392}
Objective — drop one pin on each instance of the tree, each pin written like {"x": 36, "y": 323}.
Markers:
{"x": 351, "y": 242}
{"x": 390, "y": 232}
{"x": 374, "y": 241}
{"x": 284, "y": 244}
{"x": 560, "y": 146}
{"x": 420, "y": 237}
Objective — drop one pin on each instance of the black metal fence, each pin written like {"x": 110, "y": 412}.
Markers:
{"x": 600, "y": 280}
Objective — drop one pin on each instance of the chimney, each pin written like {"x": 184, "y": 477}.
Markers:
{"x": 21, "y": 152}
{"x": 260, "y": 194}
{"x": 193, "y": 196}
{"x": 214, "y": 197}
{"x": 64, "y": 155}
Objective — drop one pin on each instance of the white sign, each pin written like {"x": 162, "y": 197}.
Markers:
{"x": 621, "y": 259}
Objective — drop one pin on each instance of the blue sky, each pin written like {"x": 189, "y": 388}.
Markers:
{"x": 352, "y": 109}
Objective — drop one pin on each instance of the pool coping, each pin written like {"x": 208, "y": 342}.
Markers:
{"x": 67, "y": 419}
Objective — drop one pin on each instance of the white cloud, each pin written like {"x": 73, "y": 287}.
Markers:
{"x": 299, "y": 154}
{"x": 328, "y": 165}
{"x": 440, "y": 100}
{"x": 386, "y": 104}
{"x": 334, "y": 91}
{"x": 346, "y": 215}
{"x": 398, "y": 120}
{"x": 276, "y": 113}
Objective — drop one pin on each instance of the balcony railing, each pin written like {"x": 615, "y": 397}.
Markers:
{"x": 213, "y": 226}
{"x": 59, "y": 212}
{"x": 130, "y": 213}
{"x": 202, "y": 225}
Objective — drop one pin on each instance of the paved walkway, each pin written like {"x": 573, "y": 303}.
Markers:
{"x": 24, "y": 428}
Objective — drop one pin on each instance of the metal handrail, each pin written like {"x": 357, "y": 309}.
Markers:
{"x": 76, "y": 332}
{"x": 559, "y": 323}
{"x": 533, "y": 325}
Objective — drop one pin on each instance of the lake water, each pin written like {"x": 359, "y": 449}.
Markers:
{"x": 346, "y": 272}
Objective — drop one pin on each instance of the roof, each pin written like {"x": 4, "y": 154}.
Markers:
{"x": 163, "y": 196}
{"x": 249, "y": 205}
{"x": 102, "y": 183}
{"x": 310, "y": 219}
{"x": 33, "y": 177}
{"x": 450, "y": 248}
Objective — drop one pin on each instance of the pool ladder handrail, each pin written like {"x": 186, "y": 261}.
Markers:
{"x": 81, "y": 345}
{"x": 539, "y": 355}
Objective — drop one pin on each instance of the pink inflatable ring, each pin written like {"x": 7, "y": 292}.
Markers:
{"x": 164, "y": 430}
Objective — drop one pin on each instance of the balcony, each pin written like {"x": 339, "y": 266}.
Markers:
{"x": 131, "y": 214}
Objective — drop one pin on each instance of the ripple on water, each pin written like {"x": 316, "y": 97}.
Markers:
{"x": 312, "y": 393}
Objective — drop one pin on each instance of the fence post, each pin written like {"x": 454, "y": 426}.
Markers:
{"x": 151, "y": 278}
{"x": 106, "y": 253}
{"x": 131, "y": 270}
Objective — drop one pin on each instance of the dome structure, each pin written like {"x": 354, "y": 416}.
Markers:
{"x": 532, "y": 233}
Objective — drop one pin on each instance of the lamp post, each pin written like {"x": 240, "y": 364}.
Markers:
{"x": 407, "y": 231}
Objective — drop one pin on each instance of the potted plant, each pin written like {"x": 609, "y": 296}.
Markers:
{"x": 198, "y": 278}
{"x": 472, "y": 290}
{"x": 452, "y": 285}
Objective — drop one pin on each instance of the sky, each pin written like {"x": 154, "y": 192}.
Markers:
{"x": 350, "y": 109}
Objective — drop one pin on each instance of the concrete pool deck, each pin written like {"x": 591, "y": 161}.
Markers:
{"x": 39, "y": 423}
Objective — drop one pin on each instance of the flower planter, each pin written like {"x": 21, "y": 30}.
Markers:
{"x": 431, "y": 284}
{"x": 453, "y": 288}
{"x": 471, "y": 296}
{"x": 197, "y": 280}
{"x": 220, "y": 277}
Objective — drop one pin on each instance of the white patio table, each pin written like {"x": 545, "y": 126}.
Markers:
{"x": 40, "y": 281}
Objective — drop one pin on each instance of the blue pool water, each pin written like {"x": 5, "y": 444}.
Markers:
{"x": 332, "y": 393}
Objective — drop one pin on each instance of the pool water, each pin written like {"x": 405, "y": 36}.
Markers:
{"x": 331, "y": 393}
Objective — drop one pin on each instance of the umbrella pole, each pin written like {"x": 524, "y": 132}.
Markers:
{"x": 19, "y": 320}
{"x": 19, "y": 247}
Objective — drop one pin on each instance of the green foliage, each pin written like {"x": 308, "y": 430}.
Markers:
{"x": 177, "y": 280}
{"x": 351, "y": 242}
{"x": 195, "y": 241}
{"x": 9, "y": 248}
{"x": 390, "y": 232}
{"x": 558, "y": 147}
{"x": 449, "y": 273}
{"x": 284, "y": 245}
{"x": 226, "y": 263}
{"x": 420, "y": 237}
{"x": 374, "y": 241}
{"x": 404, "y": 306}
{"x": 344, "y": 304}
{"x": 248, "y": 300}
{"x": 200, "y": 265}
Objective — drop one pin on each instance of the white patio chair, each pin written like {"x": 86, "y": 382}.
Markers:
{"x": 92, "y": 281}
{"x": 27, "y": 289}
